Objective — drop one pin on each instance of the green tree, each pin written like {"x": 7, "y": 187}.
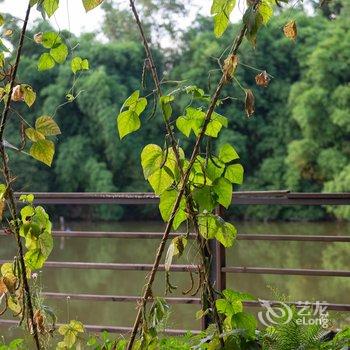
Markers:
{"x": 320, "y": 159}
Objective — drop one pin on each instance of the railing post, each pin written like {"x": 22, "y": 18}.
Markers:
{"x": 218, "y": 260}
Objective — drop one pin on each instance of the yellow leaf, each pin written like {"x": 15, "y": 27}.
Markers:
{"x": 43, "y": 150}
{"x": 34, "y": 135}
{"x": 47, "y": 126}
{"x": 290, "y": 30}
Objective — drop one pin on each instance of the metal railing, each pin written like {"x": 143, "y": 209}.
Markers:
{"x": 219, "y": 269}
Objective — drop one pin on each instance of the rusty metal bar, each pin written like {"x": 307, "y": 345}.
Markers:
{"x": 112, "y": 266}
{"x": 176, "y": 300}
{"x": 115, "y": 298}
{"x": 239, "y": 198}
{"x": 283, "y": 271}
{"x": 157, "y": 235}
{"x": 294, "y": 238}
{"x": 186, "y": 268}
{"x": 109, "y": 329}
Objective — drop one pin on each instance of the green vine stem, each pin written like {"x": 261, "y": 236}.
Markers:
{"x": 207, "y": 286}
{"x": 7, "y": 176}
{"x": 185, "y": 177}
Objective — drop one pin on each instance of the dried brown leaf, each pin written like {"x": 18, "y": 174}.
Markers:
{"x": 17, "y": 94}
{"x": 262, "y": 79}
{"x": 230, "y": 65}
{"x": 290, "y": 30}
{"x": 3, "y": 288}
{"x": 249, "y": 102}
{"x": 38, "y": 38}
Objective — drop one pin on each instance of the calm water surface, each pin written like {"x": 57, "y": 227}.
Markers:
{"x": 244, "y": 253}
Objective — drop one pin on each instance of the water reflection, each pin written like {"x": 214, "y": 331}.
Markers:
{"x": 244, "y": 253}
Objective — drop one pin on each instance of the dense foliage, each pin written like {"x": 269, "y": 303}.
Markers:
{"x": 192, "y": 173}
{"x": 282, "y": 147}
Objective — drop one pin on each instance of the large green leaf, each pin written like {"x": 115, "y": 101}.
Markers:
{"x": 35, "y": 259}
{"x": 184, "y": 125}
{"x": 221, "y": 10}
{"x": 223, "y": 188}
{"x": 128, "y": 119}
{"x": 227, "y": 153}
{"x": 265, "y": 9}
{"x": 193, "y": 120}
{"x": 215, "y": 168}
{"x": 217, "y": 121}
{"x": 166, "y": 205}
{"x": 151, "y": 159}
{"x": 203, "y": 197}
{"x": 208, "y": 225}
{"x": 232, "y": 304}
{"x": 46, "y": 62}
{"x": 78, "y": 64}
{"x": 91, "y": 4}
{"x": 234, "y": 173}
{"x": 226, "y": 234}
{"x": 51, "y": 40}
{"x": 50, "y": 6}
{"x": 212, "y": 226}
{"x": 160, "y": 180}
{"x": 128, "y": 122}
{"x": 246, "y": 322}
{"x": 59, "y": 53}
{"x": 43, "y": 150}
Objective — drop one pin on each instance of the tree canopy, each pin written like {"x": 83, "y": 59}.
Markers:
{"x": 301, "y": 145}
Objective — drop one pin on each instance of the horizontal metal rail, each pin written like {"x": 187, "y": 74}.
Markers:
{"x": 186, "y": 268}
{"x": 183, "y": 300}
{"x": 283, "y": 271}
{"x": 158, "y": 235}
{"x": 299, "y": 304}
{"x": 239, "y": 198}
{"x": 112, "y": 266}
{"x": 109, "y": 329}
{"x": 116, "y": 298}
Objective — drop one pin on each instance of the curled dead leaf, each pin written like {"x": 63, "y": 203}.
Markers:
{"x": 38, "y": 38}
{"x": 39, "y": 321}
{"x": 290, "y": 30}
{"x": 249, "y": 102}
{"x": 17, "y": 94}
{"x": 10, "y": 283}
{"x": 262, "y": 79}
{"x": 3, "y": 288}
{"x": 8, "y": 32}
{"x": 230, "y": 66}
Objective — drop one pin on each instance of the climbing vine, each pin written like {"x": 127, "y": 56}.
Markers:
{"x": 31, "y": 223}
{"x": 191, "y": 187}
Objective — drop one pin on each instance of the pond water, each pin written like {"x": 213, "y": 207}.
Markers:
{"x": 244, "y": 253}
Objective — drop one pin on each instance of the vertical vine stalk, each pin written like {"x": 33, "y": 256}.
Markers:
{"x": 208, "y": 288}
{"x": 185, "y": 175}
{"x": 7, "y": 176}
